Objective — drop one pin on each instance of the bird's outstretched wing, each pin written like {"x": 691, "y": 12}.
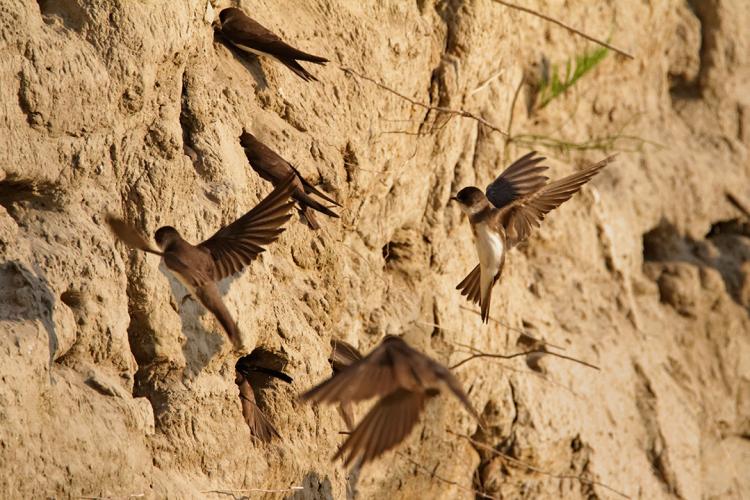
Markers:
{"x": 373, "y": 375}
{"x": 386, "y": 425}
{"x": 524, "y": 214}
{"x": 392, "y": 366}
{"x": 236, "y": 245}
{"x": 522, "y": 177}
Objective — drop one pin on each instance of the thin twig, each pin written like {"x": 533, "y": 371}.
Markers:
{"x": 439, "y": 109}
{"x": 563, "y": 25}
{"x": 435, "y": 325}
{"x": 534, "y": 468}
{"x": 513, "y": 328}
{"x": 481, "y": 354}
{"x": 474, "y": 349}
{"x": 256, "y": 490}
{"x": 432, "y": 474}
{"x": 601, "y": 143}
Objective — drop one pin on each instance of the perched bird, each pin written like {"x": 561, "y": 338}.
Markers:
{"x": 258, "y": 423}
{"x": 343, "y": 355}
{"x": 276, "y": 169}
{"x": 513, "y": 205}
{"x": 250, "y": 36}
{"x": 403, "y": 378}
{"x": 200, "y": 267}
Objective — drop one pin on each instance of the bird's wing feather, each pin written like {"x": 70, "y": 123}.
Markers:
{"x": 447, "y": 378}
{"x": 275, "y": 169}
{"x": 307, "y": 201}
{"x": 373, "y": 375}
{"x": 347, "y": 415}
{"x": 236, "y": 245}
{"x": 343, "y": 354}
{"x": 370, "y": 377}
{"x": 524, "y": 214}
{"x": 387, "y": 424}
{"x": 309, "y": 188}
{"x": 265, "y": 161}
{"x": 521, "y": 178}
{"x": 259, "y": 425}
{"x": 243, "y": 30}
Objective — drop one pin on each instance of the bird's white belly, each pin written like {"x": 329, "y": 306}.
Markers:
{"x": 490, "y": 249}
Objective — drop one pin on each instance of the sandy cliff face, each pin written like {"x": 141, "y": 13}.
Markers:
{"x": 110, "y": 386}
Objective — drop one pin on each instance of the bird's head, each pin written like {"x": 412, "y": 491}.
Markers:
{"x": 242, "y": 368}
{"x": 225, "y": 15}
{"x": 470, "y": 199}
{"x": 247, "y": 140}
{"x": 165, "y": 236}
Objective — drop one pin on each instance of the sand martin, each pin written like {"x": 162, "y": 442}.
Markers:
{"x": 200, "y": 267}
{"x": 344, "y": 354}
{"x": 276, "y": 169}
{"x": 257, "y": 421}
{"x": 404, "y": 379}
{"x": 503, "y": 216}
{"x": 250, "y": 36}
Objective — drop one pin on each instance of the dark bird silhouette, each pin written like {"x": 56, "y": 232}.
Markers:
{"x": 229, "y": 250}
{"x": 257, "y": 421}
{"x": 404, "y": 379}
{"x": 276, "y": 169}
{"x": 250, "y": 36}
{"x": 343, "y": 355}
{"x": 513, "y": 205}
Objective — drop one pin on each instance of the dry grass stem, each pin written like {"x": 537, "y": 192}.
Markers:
{"x": 563, "y": 25}
{"x": 439, "y": 109}
{"x": 481, "y": 354}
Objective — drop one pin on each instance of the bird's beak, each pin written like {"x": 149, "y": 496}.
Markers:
{"x": 452, "y": 198}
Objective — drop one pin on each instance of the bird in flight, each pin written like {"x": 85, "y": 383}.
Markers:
{"x": 200, "y": 267}
{"x": 276, "y": 169}
{"x": 250, "y": 36}
{"x": 260, "y": 427}
{"x": 506, "y": 213}
{"x": 403, "y": 379}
